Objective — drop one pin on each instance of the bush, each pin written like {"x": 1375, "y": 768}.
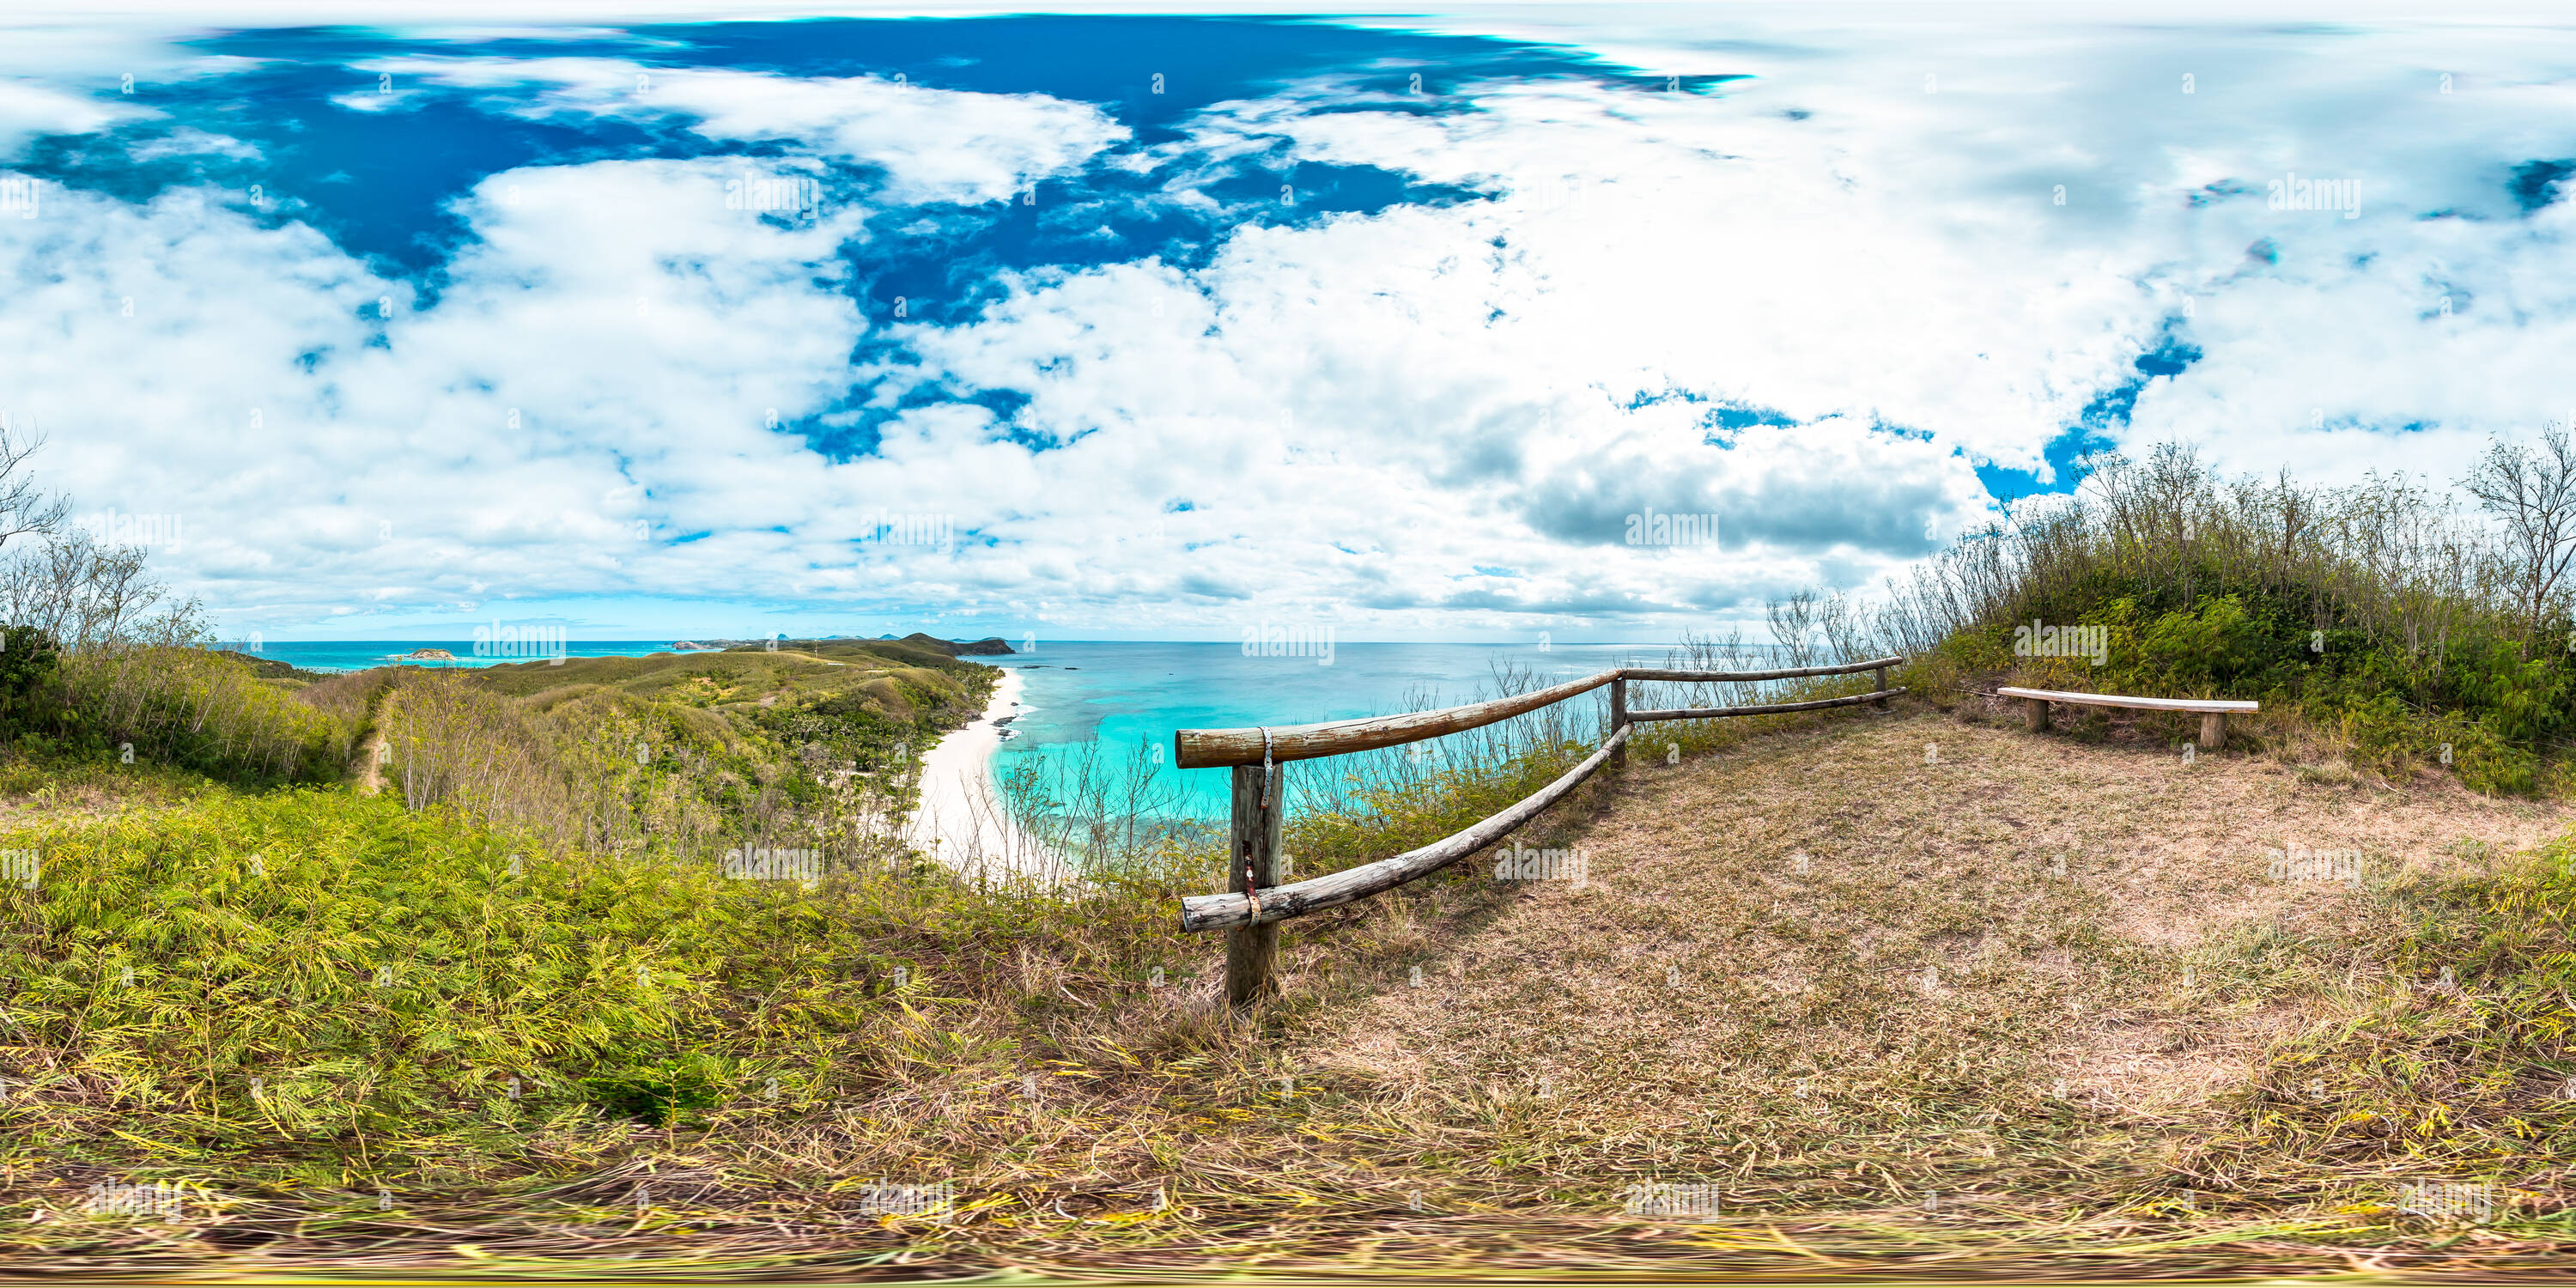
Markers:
{"x": 2375, "y": 611}
{"x": 29, "y": 699}
{"x": 2212, "y": 645}
{"x": 195, "y": 709}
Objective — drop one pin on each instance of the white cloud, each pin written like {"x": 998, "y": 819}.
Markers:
{"x": 188, "y": 141}
{"x": 30, "y": 108}
{"x": 1456, "y": 378}
{"x": 933, "y": 144}
{"x": 636, "y": 328}
{"x": 1432, "y": 418}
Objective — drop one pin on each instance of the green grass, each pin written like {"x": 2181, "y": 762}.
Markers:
{"x": 2457, "y": 1061}
{"x": 312, "y": 988}
{"x": 332, "y": 995}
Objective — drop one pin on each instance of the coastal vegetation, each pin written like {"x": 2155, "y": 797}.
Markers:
{"x": 2394, "y": 624}
{"x": 464, "y": 967}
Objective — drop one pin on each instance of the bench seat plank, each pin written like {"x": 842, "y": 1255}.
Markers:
{"x": 2203, "y": 705}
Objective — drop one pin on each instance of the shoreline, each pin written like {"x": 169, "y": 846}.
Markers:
{"x": 961, "y": 820}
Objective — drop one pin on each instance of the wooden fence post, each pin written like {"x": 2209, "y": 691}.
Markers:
{"x": 1254, "y": 863}
{"x": 1880, "y": 706}
{"x": 1619, "y": 719}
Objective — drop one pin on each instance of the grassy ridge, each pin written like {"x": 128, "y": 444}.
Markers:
{"x": 305, "y": 997}
{"x": 333, "y": 993}
{"x": 315, "y": 980}
{"x": 1019, "y": 1043}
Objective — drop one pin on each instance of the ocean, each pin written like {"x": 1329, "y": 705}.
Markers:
{"x": 1121, "y": 701}
{"x": 1127, "y": 698}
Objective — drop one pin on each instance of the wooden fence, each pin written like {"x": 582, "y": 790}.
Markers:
{"x": 1251, "y": 913}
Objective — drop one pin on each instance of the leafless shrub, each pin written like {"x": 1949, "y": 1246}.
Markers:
{"x": 2531, "y": 490}
{"x": 2388, "y": 556}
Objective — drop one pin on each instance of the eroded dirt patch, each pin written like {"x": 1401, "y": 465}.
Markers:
{"x": 1929, "y": 932}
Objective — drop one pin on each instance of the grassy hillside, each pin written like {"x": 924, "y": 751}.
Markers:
{"x": 515, "y": 1004}
{"x": 309, "y": 996}
{"x": 331, "y": 995}
{"x": 677, "y": 754}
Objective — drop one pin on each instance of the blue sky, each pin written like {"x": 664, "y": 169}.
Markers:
{"x": 1176, "y": 325}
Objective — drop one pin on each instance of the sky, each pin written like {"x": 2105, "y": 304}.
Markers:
{"x": 1190, "y": 324}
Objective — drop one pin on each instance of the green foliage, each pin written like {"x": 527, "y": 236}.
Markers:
{"x": 243, "y": 973}
{"x": 2367, "y": 611}
{"x": 28, "y": 666}
{"x": 193, "y": 708}
{"x": 662, "y": 1094}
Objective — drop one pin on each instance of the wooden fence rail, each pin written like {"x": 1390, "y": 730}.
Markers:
{"x": 1251, "y": 913}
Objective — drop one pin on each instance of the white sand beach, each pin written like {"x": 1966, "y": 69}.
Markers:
{"x": 962, "y": 821}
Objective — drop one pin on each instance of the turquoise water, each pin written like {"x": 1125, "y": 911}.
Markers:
{"x": 1123, "y": 700}
{"x": 1130, "y": 697}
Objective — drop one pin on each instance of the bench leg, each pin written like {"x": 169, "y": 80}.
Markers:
{"x": 2035, "y": 710}
{"x": 2213, "y": 730}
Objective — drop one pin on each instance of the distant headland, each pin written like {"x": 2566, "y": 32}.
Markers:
{"x": 990, "y": 646}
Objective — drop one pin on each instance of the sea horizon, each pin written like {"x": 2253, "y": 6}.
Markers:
{"x": 1127, "y": 697}
{"x": 358, "y": 655}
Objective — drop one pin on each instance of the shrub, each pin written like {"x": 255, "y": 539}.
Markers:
{"x": 196, "y": 709}
{"x": 29, "y": 699}
{"x": 2377, "y": 610}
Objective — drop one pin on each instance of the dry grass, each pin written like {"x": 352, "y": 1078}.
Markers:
{"x": 1822, "y": 1048}
{"x": 1928, "y": 1008}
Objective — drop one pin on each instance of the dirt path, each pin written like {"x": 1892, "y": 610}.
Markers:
{"x": 368, "y": 767}
{"x": 1910, "y": 939}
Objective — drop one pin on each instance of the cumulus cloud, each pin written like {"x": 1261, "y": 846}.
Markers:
{"x": 934, "y": 145}
{"x": 610, "y": 353}
{"x": 1920, "y": 271}
{"x": 1812, "y": 304}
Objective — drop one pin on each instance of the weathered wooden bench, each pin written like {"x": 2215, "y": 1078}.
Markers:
{"x": 2213, "y": 712}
